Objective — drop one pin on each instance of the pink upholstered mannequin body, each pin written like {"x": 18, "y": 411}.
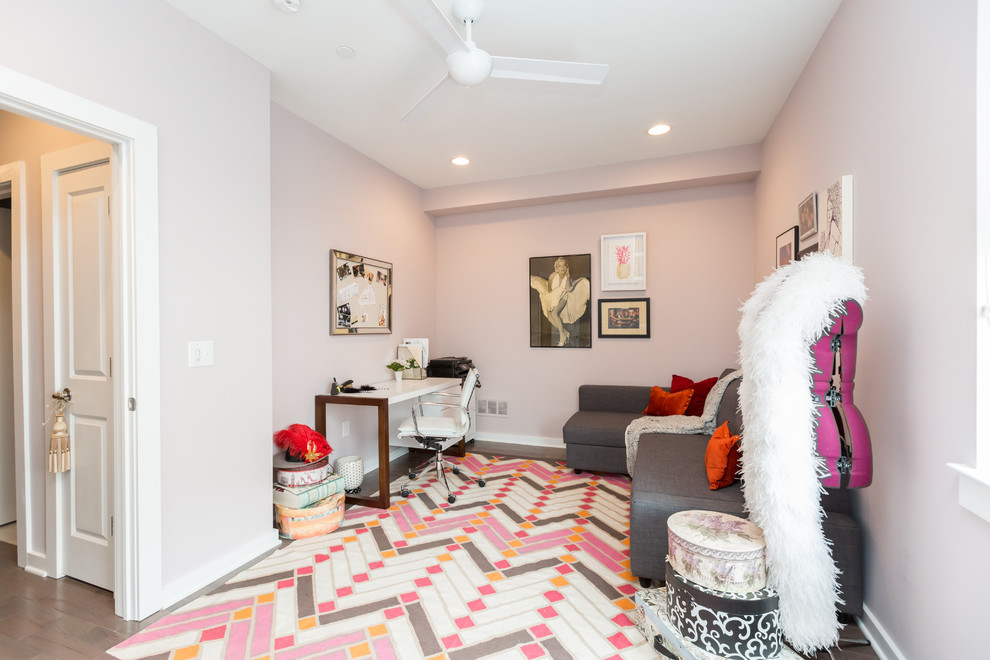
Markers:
{"x": 843, "y": 439}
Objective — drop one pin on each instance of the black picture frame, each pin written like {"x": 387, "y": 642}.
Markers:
{"x": 560, "y": 301}
{"x": 624, "y": 318}
{"x": 787, "y": 246}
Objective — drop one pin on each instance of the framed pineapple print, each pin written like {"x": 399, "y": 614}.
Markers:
{"x": 624, "y": 262}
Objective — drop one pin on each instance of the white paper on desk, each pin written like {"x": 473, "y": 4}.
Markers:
{"x": 348, "y": 292}
{"x": 367, "y": 297}
{"x": 424, "y": 343}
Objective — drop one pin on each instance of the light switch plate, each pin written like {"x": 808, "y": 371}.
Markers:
{"x": 200, "y": 353}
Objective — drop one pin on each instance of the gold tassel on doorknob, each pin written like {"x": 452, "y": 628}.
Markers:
{"x": 59, "y": 459}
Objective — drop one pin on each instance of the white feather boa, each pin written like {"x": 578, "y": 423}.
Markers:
{"x": 786, "y": 314}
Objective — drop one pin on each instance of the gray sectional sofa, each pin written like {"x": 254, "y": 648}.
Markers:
{"x": 670, "y": 477}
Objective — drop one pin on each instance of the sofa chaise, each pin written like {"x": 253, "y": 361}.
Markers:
{"x": 670, "y": 477}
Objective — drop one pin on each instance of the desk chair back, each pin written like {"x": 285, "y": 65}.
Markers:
{"x": 467, "y": 388}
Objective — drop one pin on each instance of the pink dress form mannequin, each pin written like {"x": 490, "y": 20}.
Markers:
{"x": 843, "y": 439}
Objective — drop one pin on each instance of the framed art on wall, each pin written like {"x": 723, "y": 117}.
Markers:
{"x": 808, "y": 217}
{"x": 787, "y": 243}
{"x": 560, "y": 290}
{"x": 624, "y": 262}
{"x": 836, "y": 234}
{"x": 626, "y": 317}
{"x": 360, "y": 295}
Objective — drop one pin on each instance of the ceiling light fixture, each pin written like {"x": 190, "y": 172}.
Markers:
{"x": 287, "y": 6}
{"x": 659, "y": 129}
{"x": 460, "y": 161}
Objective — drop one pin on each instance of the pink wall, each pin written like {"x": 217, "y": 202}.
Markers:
{"x": 699, "y": 244}
{"x": 327, "y": 196}
{"x": 210, "y": 104}
{"x": 889, "y": 97}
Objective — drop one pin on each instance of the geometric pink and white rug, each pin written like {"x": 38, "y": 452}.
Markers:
{"x": 533, "y": 565}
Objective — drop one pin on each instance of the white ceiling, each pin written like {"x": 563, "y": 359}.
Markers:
{"x": 718, "y": 71}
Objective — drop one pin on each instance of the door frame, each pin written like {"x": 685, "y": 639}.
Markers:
{"x": 14, "y": 173}
{"x": 137, "y": 465}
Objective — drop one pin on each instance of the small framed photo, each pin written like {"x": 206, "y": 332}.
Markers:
{"x": 624, "y": 262}
{"x": 787, "y": 243}
{"x": 808, "y": 217}
{"x": 624, "y": 317}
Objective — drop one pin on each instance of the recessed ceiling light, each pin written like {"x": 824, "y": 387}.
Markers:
{"x": 460, "y": 161}
{"x": 345, "y": 51}
{"x": 287, "y": 6}
{"x": 659, "y": 129}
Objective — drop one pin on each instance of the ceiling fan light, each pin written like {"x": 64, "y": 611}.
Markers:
{"x": 460, "y": 161}
{"x": 469, "y": 67}
{"x": 659, "y": 129}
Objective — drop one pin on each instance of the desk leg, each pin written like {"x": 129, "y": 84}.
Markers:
{"x": 384, "y": 497}
{"x": 382, "y": 500}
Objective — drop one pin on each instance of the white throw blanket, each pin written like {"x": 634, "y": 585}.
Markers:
{"x": 786, "y": 314}
{"x": 678, "y": 423}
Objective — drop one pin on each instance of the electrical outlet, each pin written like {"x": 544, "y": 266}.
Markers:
{"x": 345, "y": 429}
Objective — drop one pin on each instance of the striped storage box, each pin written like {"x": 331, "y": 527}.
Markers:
{"x": 317, "y": 520}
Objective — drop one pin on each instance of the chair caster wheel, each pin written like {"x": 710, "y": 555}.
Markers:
{"x": 404, "y": 492}
{"x": 451, "y": 499}
{"x": 455, "y": 470}
{"x": 481, "y": 482}
{"x": 412, "y": 475}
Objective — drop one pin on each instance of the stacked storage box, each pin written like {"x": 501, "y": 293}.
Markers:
{"x": 309, "y": 500}
{"x": 716, "y": 605}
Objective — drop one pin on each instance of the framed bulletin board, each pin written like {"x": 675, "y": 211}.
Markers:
{"x": 360, "y": 295}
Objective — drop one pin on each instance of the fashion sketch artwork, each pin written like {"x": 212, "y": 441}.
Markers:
{"x": 560, "y": 290}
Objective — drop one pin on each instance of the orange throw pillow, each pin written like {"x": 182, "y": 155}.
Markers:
{"x": 663, "y": 403}
{"x": 722, "y": 458}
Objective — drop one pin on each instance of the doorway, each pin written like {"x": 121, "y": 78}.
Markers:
{"x": 8, "y": 486}
{"x": 136, "y": 336}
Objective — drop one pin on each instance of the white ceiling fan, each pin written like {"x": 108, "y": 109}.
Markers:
{"x": 468, "y": 65}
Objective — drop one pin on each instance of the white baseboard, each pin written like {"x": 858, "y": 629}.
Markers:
{"x": 879, "y": 639}
{"x": 532, "y": 441}
{"x": 216, "y": 569}
{"x": 37, "y": 564}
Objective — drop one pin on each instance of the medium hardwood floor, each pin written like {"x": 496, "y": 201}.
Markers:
{"x": 65, "y": 619}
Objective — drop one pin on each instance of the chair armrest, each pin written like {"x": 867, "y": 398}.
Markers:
{"x": 463, "y": 419}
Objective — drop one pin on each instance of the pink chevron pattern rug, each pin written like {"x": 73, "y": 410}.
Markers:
{"x": 533, "y": 565}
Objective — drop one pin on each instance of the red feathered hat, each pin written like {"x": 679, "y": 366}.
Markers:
{"x": 302, "y": 444}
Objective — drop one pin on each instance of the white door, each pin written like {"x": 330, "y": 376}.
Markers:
{"x": 78, "y": 343}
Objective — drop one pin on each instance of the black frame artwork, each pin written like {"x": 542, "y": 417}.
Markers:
{"x": 624, "y": 317}
{"x": 787, "y": 246}
{"x": 560, "y": 301}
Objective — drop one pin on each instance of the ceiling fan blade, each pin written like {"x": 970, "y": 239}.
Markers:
{"x": 429, "y": 101}
{"x": 431, "y": 18}
{"x": 566, "y": 72}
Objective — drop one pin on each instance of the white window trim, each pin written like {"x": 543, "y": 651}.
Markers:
{"x": 974, "y": 482}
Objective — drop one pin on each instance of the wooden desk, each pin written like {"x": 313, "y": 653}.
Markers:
{"x": 385, "y": 394}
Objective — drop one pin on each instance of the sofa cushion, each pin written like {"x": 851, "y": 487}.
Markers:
{"x": 614, "y": 398}
{"x": 722, "y": 458}
{"x": 701, "y": 390}
{"x": 596, "y": 427}
{"x": 664, "y": 403}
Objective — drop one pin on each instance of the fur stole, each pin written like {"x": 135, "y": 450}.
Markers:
{"x": 785, "y": 315}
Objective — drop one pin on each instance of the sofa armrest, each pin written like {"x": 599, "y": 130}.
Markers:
{"x": 614, "y": 398}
